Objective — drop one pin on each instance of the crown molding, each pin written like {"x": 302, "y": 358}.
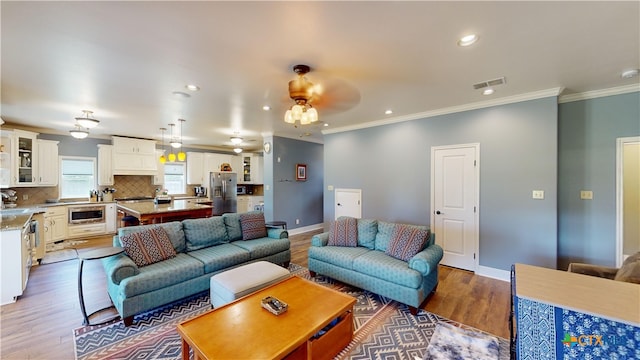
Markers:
{"x": 599, "y": 93}
{"x": 451, "y": 110}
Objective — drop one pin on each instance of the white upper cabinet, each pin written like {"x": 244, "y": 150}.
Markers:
{"x": 134, "y": 156}
{"x": 105, "y": 165}
{"x": 47, "y": 162}
{"x": 195, "y": 172}
{"x": 25, "y": 150}
{"x": 158, "y": 178}
{"x": 6, "y": 158}
{"x": 212, "y": 162}
{"x": 249, "y": 168}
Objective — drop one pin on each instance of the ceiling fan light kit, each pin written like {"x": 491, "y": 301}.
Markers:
{"x": 301, "y": 91}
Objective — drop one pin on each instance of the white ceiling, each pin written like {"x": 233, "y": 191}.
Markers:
{"x": 123, "y": 60}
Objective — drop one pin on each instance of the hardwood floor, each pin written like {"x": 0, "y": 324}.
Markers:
{"x": 40, "y": 324}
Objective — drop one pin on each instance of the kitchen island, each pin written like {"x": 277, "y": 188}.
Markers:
{"x": 149, "y": 212}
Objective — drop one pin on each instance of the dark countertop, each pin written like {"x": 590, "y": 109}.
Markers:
{"x": 149, "y": 207}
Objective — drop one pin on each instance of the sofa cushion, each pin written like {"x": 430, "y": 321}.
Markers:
{"x": 162, "y": 274}
{"x": 260, "y": 248}
{"x": 407, "y": 241}
{"x": 252, "y": 225}
{"x": 382, "y": 266}
{"x": 204, "y": 232}
{"x": 337, "y": 255}
{"x": 367, "y": 230}
{"x": 220, "y": 257}
{"x": 174, "y": 231}
{"x": 344, "y": 232}
{"x": 383, "y": 237}
{"x": 630, "y": 270}
{"x": 232, "y": 222}
{"x": 148, "y": 246}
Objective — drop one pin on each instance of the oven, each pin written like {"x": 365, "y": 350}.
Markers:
{"x": 86, "y": 214}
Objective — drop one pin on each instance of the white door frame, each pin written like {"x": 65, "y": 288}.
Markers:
{"x": 476, "y": 214}
{"x": 620, "y": 196}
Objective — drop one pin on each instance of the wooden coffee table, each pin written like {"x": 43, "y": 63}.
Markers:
{"x": 244, "y": 330}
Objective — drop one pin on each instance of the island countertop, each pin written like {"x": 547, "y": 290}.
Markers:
{"x": 149, "y": 212}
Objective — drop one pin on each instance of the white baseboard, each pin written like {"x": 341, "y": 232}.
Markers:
{"x": 305, "y": 229}
{"x": 494, "y": 273}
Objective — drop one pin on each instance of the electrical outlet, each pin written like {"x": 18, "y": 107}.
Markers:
{"x": 25, "y": 197}
{"x": 538, "y": 194}
{"x": 330, "y": 187}
{"x": 297, "y": 221}
{"x": 586, "y": 194}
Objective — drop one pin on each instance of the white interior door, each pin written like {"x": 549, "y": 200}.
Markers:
{"x": 454, "y": 196}
{"x": 348, "y": 203}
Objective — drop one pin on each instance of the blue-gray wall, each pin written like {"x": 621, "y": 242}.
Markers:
{"x": 287, "y": 199}
{"x": 69, "y": 146}
{"x": 518, "y": 154}
{"x": 587, "y": 161}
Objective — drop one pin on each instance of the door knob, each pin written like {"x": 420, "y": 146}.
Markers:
{"x": 437, "y": 212}
{"x": 339, "y": 204}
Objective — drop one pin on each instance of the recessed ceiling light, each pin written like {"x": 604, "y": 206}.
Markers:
{"x": 181, "y": 94}
{"x": 628, "y": 74}
{"x": 388, "y": 112}
{"x": 192, "y": 87}
{"x": 266, "y": 108}
{"x": 467, "y": 40}
{"x": 488, "y": 91}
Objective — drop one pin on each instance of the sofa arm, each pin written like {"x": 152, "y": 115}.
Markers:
{"x": 277, "y": 233}
{"x": 119, "y": 268}
{"x": 593, "y": 270}
{"x": 320, "y": 240}
{"x": 426, "y": 260}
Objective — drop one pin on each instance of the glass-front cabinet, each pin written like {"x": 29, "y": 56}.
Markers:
{"x": 5, "y": 158}
{"x": 25, "y": 146}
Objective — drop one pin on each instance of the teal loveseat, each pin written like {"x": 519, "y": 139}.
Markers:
{"x": 369, "y": 266}
{"x": 203, "y": 247}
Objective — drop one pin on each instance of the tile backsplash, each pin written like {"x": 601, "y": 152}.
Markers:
{"x": 125, "y": 185}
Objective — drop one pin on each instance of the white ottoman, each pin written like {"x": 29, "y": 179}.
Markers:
{"x": 243, "y": 280}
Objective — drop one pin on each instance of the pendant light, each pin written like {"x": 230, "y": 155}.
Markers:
{"x": 172, "y": 156}
{"x": 78, "y": 132}
{"x": 86, "y": 120}
{"x": 163, "y": 159}
{"x": 181, "y": 154}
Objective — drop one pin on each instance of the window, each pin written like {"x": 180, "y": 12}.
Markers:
{"x": 174, "y": 178}
{"x": 77, "y": 176}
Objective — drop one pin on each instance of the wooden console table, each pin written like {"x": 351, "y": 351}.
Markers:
{"x": 563, "y": 315}
{"x": 244, "y": 330}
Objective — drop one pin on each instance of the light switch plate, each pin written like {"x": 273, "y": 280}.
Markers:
{"x": 538, "y": 194}
{"x": 586, "y": 194}
{"x": 330, "y": 187}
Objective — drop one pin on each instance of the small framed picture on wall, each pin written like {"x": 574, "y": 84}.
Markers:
{"x": 301, "y": 172}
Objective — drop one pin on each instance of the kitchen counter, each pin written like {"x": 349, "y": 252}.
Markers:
{"x": 14, "y": 222}
{"x": 149, "y": 212}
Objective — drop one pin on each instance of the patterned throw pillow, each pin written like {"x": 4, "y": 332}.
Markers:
{"x": 407, "y": 241}
{"x": 148, "y": 246}
{"x": 252, "y": 224}
{"x": 344, "y": 232}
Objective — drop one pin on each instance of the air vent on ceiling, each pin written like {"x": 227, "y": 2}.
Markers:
{"x": 489, "y": 83}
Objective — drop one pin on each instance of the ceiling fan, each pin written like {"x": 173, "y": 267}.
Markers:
{"x": 313, "y": 100}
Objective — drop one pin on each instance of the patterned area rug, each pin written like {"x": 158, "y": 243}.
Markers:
{"x": 385, "y": 329}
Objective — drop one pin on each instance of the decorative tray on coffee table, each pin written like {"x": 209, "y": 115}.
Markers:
{"x": 273, "y": 305}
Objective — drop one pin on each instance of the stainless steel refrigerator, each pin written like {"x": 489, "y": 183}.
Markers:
{"x": 223, "y": 192}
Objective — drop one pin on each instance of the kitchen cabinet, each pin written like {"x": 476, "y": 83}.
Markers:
{"x": 133, "y": 156}
{"x": 47, "y": 162}
{"x": 250, "y": 167}
{"x": 111, "y": 218}
{"x": 243, "y": 203}
{"x": 55, "y": 224}
{"x": 199, "y": 165}
{"x": 15, "y": 256}
{"x": 158, "y": 178}
{"x": 105, "y": 165}
{"x": 6, "y": 166}
{"x": 195, "y": 172}
{"x": 25, "y": 154}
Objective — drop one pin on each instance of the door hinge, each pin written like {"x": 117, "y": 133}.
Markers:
{"x": 474, "y": 256}
{"x": 474, "y": 162}
{"x": 474, "y": 209}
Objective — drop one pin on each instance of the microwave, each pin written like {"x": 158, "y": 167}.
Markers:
{"x": 241, "y": 190}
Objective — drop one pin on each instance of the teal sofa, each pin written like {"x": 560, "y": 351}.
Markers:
{"x": 204, "y": 247}
{"x": 368, "y": 266}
